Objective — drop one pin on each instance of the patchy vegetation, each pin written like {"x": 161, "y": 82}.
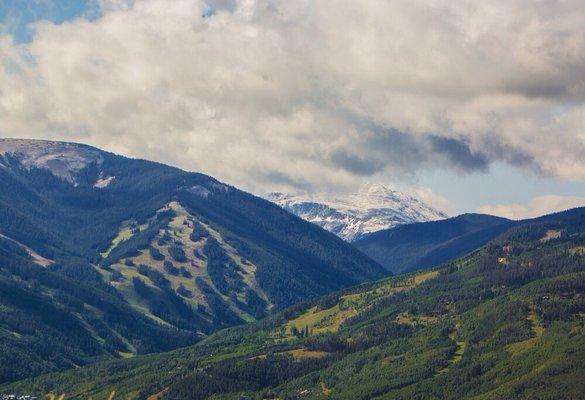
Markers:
{"x": 70, "y": 254}
{"x": 170, "y": 270}
{"x": 471, "y": 328}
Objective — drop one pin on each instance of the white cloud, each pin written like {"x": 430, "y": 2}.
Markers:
{"x": 428, "y": 196}
{"x": 538, "y": 206}
{"x": 307, "y": 94}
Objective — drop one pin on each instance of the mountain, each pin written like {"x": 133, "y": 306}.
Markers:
{"x": 422, "y": 245}
{"x": 102, "y": 256}
{"x": 373, "y": 208}
{"x": 503, "y": 322}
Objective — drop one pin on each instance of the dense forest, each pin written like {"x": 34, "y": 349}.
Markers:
{"x": 94, "y": 271}
{"x": 411, "y": 247}
{"x": 503, "y": 322}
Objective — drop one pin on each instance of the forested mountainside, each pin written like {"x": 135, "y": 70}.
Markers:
{"x": 103, "y": 256}
{"x": 503, "y": 322}
{"x": 425, "y": 244}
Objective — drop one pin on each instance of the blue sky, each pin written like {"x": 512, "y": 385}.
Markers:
{"x": 502, "y": 184}
{"x": 16, "y": 15}
{"x": 469, "y": 148}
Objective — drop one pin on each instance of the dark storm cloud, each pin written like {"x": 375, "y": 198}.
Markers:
{"x": 279, "y": 178}
{"x": 495, "y": 150}
{"x": 398, "y": 150}
{"x": 458, "y": 153}
{"x": 543, "y": 89}
{"x": 404, "y": 152}
{"x": 355, "y": 164}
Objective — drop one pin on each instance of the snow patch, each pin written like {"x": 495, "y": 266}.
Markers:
{"x": 199, "y": 191}
{"x": 205, "y": 192}
{"x": 103, "y": 182}
{"x": 62, "y": 159}
{"x": 219, "y": 187}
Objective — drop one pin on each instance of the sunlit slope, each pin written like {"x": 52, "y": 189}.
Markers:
{"x": 102, "y": 257}
{"x": 186, "y": 256}
{"x": 506, "y": 321}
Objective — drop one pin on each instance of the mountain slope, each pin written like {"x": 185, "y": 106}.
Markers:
{"x": 504, "y": 322}
{"x": 374, "y": 208}
{"x": 139, "y": 257}
{"x": 421, "y": 245}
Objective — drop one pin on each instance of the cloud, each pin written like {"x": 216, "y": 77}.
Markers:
{"x": 356, "y": 164}
{"x": 538, "y": 206}
{"x": 428, "y": 196}
{"x": 320, "y": 96}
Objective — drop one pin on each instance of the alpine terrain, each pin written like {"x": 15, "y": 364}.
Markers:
{"x": 373, "y": 208}
{"x": 103, "y": 256}
{"x": 505, "y": 321}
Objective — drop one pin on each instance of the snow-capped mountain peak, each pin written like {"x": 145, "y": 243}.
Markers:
{"x": 374, "y": 189}
{"x": 351, "y": 216}
{"x": 61, "y": 159}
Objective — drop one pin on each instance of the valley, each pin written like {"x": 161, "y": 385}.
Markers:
{"x": 422, "y": 245}
{"x": 165, "y": 284}
{"x": 292, "y": 200}
{"x": 469, "y": 328}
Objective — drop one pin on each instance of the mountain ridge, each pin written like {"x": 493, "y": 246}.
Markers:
{"x": 352, "y": 216}
{"x": 145, "y": 257}
{"x": 420, "y": 245}
{"x": 503, "y": 322}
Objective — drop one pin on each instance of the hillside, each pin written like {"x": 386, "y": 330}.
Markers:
{"x": 352, "y": 216}
{"x": 422, "y": 245}
{"x": 503, "y": 322}
{"x": 103, "y": 256}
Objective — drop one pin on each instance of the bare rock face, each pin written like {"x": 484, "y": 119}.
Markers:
{"x": 63, "y": 160}
{"x": 373, "y": 208}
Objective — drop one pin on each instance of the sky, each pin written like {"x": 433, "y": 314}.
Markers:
{"x": 471, "y": 106}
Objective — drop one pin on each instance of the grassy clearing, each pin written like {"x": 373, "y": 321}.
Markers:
{"x": 395, "y": 285}
{"x": 325, "y": 390}
{"x": 537, "y": 332}
{"x": 158, "y": 395}
{"x": 425, "y": 276}
{"x": 578, "y": 250}
{"x": 300, "y": 354}
{"x": 4, "y": 331}
{"x": 321, "y": 321}
{"x": 406, "y": 318}
{"x": 178, "y": 231}
{"x": 459, "y": 349}
{"x": 550, "y": 234}
{"x": 124, "y": 234}
{"x": 330, "y": 319}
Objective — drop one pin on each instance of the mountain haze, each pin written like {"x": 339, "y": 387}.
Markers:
{"x": 424, "y": 244}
